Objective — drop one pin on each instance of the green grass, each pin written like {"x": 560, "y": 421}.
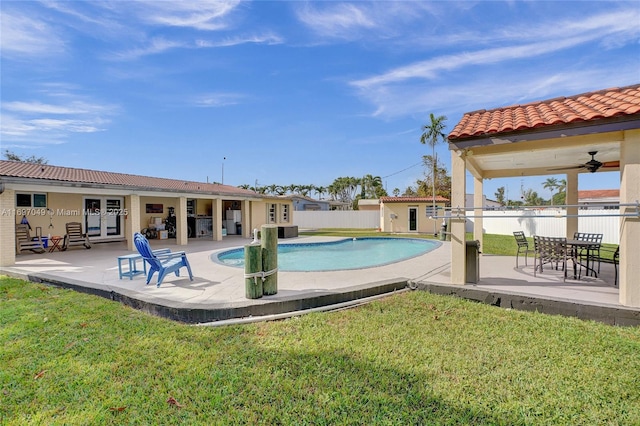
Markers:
{"x": 69, "y": 358}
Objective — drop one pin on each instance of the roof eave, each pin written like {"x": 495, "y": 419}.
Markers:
{"x": 581, "y": 128}
{"x": 90, "y": 185}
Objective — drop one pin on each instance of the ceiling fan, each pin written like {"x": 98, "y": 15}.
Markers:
{"x": 592, "y": 165}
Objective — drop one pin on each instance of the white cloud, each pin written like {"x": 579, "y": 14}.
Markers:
{"x": 339, "y": 20}
{"x": 151, "y": 47}
{"x": 25, "y": 36}
{"x": 209, "y": 15}
{"x": 420, "y": 86}
{"x": 238, "y": 40}
{"x": 41, "y": 122}
{"x": 212, "y": 100}
{"x": 355, "y": 20}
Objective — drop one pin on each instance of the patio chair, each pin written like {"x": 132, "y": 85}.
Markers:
{"x": 163, "y": 263}
{"x": 523, "y": 246}
{"x": 75, "y": 237}
{"x": 551, "y": 250}
{"x": 614, "y": 258}
{"x": 24, "y": 240}
{"x": 590, "y": 254}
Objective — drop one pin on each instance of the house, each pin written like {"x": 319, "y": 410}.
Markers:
{"x": 304, "y": 203}
{"x": 113, "y": 206}
{"x": 411, "y": 214}
{"x": 599, "y": 199}
{"x": 487, "y": 204}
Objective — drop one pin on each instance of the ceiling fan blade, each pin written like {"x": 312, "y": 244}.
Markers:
{"x": 581, "y": 166}
{"x": 611, "y": 164}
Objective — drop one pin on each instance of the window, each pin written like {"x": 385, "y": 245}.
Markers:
{"x": 31, "y": 200}
{"x": 271, "y": 213}
{"x": 284, "y": 213}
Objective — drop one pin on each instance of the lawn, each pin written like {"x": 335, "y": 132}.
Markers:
{"x": 413, "y": 358}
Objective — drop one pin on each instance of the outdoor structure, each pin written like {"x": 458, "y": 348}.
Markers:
{"x": 411, "y": 214}
{"x": 487, "y": 204}
{"x": 369, "y": 204}
{"x": 591, "y": 132}
{"x": 114, "y": 206}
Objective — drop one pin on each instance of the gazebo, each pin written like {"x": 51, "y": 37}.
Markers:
{"x": 593, "y": 132}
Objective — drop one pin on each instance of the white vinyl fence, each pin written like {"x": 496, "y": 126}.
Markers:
{"x": 531, "y": 223}
{"x": 503, "y": 223}
{"x": 337, "y": 219}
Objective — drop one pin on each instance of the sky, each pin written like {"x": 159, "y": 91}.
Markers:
{"x": 292, "y": 92}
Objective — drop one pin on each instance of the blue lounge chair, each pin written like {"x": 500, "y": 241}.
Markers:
{"x": 163, "y": 263}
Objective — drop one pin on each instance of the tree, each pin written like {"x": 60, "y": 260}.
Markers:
{"x": 441, "y": 184}
{"x": 396, "y": 192}
{"x": 344, "y": 189}
{"x": 432, "y": 133}
{"x": 11, "y": 156}
{"x": 319, "y": 191}
{"x": 561, "y": 196}
{"x": 372, "y": 187}
{"x": 531, "y": 198}
{"x": 550, "y": 184}
{"x": 500, "y": 196}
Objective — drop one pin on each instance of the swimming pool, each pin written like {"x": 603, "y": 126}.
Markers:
{"x": 352, "y": 253}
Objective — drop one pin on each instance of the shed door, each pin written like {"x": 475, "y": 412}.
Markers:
{"x": 413, "y": 218}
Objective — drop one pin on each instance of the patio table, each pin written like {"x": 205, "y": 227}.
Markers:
{"x": 589, "y": 247}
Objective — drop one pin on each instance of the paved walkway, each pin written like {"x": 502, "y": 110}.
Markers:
{"x": 217, "y": 292}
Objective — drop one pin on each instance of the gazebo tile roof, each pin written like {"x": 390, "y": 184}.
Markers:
{"x": 590, "y": 106}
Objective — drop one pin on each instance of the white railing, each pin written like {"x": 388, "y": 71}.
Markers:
{"x": 597, "y": 221}
{"x": 337, "y": 219}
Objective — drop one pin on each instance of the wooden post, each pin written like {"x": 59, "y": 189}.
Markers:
{"x": 269, "y": 241}
{"x": 253, "y": 265}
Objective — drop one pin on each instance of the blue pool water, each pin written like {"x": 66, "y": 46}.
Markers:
{"x": 356, "y": 253}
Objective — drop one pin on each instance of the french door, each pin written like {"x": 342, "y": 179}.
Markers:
{"x": 103, "y": 217}
{"x": 413, "y": 219}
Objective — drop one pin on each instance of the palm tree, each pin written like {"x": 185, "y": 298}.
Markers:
{"x": 561, "y": 196}
{"x": 550, "y": 184}
{"x": 432, "y": 133}
{"x": 319, "y": 191}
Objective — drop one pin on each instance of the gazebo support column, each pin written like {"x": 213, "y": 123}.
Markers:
{"x": 478, "y": 203}
{"x": 216, "y": 212}
{"x": 630, "y": 226}
{"x": 572, "y": 200}
{"x": 182, "y": 235}
{"x": 132, "y": 221}
{"x": 458, "y": 245}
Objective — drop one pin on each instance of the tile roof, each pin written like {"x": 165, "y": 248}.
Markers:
{"x": 47, "y": 172}
{"x": 412, "y": 199}
{"x": 598, "y": 193}
{"x": 587, "y": 107}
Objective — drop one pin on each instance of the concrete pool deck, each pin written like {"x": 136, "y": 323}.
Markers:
{"x": 217, "y": 293}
